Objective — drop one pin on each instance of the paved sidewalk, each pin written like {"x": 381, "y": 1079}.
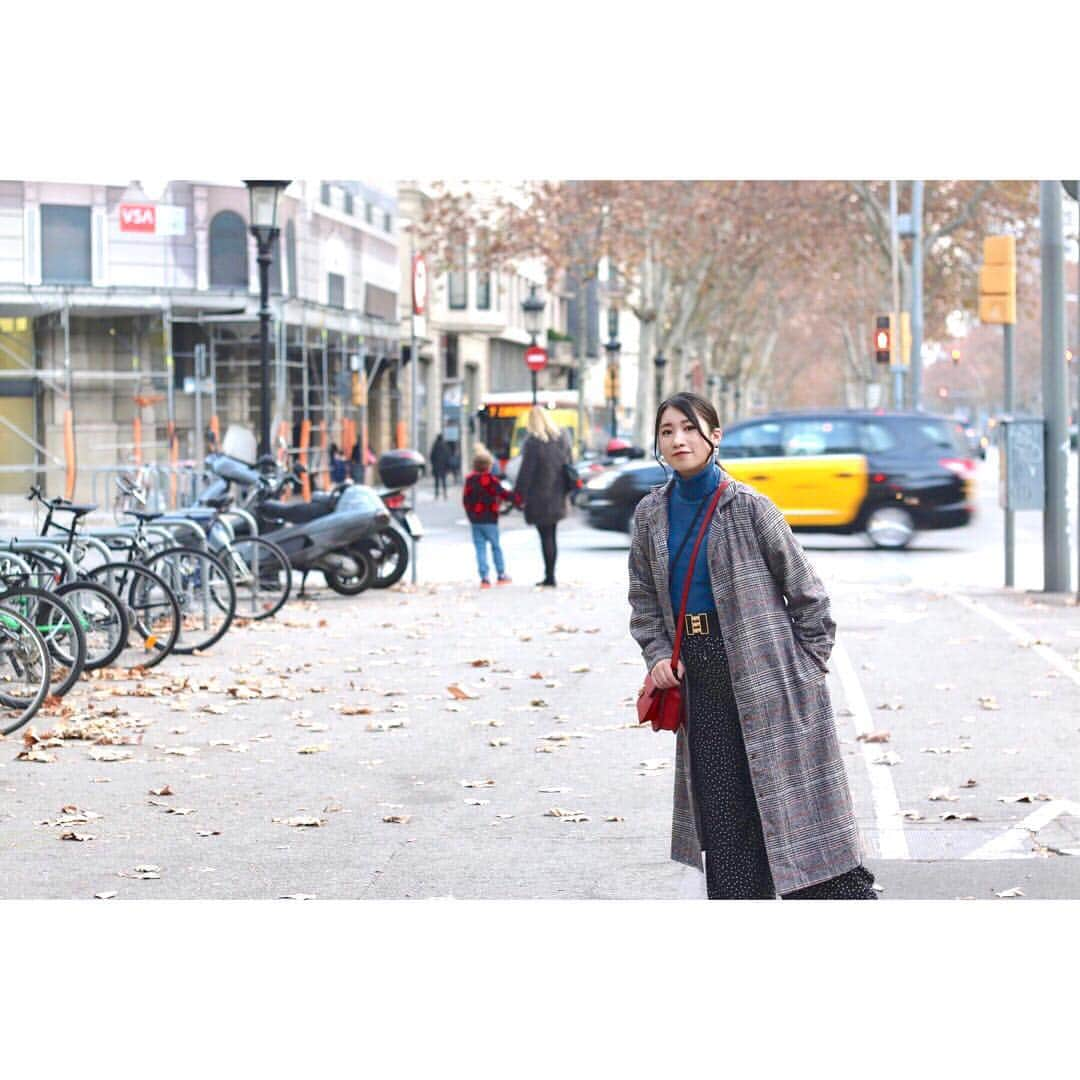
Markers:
{"x": 323, "y": 754}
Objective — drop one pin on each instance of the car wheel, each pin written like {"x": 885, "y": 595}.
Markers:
{"x": 890, "y": 527}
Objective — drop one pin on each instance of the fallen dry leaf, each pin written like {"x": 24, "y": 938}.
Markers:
{"x": 397, "y": 819}
{"x": 888, "y": 758}
{"x": 970, "y": 784}
{"x": 300, "y": 822}
{"x": 580, "y": 669}
{"x": 321, "y": 748}
{"x": 477, "y": 783}
{"x": 297, "y": 896}
{"x": 71, "y": 835}
{"x": 989, "y": 702}
{"x": 182, "y": 751}
{"x": 477, "y": 802}
{"x": 1024, "y": 798}
{"x": 1007, "y": 893}
{"x": 874, "y": 737}
{"x": 480, "y": 663}
{"x": 105, "y": 754}
{"x": 942, "y": 794}
{"x": 105, "y": 895}
{"x": 39, "y": 756}
{"x": 951, "y": 815}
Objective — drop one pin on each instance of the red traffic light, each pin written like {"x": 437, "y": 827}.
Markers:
{"x": 883, "y": 339}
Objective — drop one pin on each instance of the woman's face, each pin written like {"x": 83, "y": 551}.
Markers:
{"x": 682, "y": 445}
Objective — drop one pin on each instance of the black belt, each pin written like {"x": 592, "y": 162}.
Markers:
{"x": 704, "y": 622}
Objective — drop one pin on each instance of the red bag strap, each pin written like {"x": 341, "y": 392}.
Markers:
{"x": 680, "y": 622}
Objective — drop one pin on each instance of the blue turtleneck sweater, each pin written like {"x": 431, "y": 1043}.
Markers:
{"x": 686, "y": 498}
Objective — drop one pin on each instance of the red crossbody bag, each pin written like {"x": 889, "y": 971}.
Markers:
{"x": 663, "y": 708}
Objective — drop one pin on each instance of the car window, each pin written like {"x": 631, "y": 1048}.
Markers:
{"x": 819, "y": 436}
{"x": 876, "y": 438}
{"x": 929, "y": 435}
{"x": 753, "y": 440}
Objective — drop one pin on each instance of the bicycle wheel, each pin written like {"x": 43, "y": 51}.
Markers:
{"x": 25, "y": 671}
{"x": 103, "y": 620}
{"x": 59, "y": 626}
{"x": 261, "y": 574}
{"x": 388, "y": 552}
{"x": 205, "y": 592}
{"x": 152, "y": 610}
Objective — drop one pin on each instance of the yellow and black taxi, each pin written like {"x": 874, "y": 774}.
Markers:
{"x": 886, "y": 474}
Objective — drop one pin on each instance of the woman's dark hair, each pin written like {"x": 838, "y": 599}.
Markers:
{"x": 690, "y": 405}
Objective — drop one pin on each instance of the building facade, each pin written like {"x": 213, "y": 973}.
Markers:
{"x": 129, "y": 324}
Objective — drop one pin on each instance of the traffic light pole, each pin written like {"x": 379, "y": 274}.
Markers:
{"x": 1056, "y": 569}
{"x": 1010, "y": 395}
{"x": 915, "y": 392}
{"x": 897, "y": 369}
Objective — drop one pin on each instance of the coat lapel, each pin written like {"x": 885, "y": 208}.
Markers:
{"x": 658, "y": 530}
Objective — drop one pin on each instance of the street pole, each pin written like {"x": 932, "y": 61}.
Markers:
{"x": 916, "y": 292}
{"x": 414, "y": 360}
{"x": 1056, "y": 570}
{"x": 1010, "y": 404}
{"x": 894, "y": 243}
{"x": 265, "y": 239}
{"x": 199, "y": 449}
{"x": 533, "y": 374}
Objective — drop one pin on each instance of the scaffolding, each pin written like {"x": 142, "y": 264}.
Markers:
{"x": 203, "y": 366}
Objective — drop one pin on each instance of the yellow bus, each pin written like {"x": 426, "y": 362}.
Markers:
{"x": 503, "y": 416}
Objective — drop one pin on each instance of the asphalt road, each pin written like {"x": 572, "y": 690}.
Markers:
{"x": 324, "y": 754}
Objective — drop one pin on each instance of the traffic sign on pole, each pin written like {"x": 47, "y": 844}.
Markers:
{"x": 535, "y": 358}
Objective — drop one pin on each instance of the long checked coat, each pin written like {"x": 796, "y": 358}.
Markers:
{"x": 778, "y": 634}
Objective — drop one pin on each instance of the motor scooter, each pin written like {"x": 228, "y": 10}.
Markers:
{"x": 326, "y": 534}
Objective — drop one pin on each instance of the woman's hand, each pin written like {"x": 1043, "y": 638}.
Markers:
{"x": 661, "y": 674}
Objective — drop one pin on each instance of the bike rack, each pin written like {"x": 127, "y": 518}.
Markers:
{"x": 33, "y": 544}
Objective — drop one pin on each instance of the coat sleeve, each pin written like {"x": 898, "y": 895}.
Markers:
{"x": 808, "y": 603}
{"x": 646, "y": 615}
{"x": 528, "y": 467}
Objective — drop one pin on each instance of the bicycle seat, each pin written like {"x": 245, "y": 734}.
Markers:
{"x": 78, "y": 509}
{"x": 145, "y": 515}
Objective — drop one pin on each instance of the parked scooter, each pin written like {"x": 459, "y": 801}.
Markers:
{"x": 326, "y": 534}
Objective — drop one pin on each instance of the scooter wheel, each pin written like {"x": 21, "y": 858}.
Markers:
{"x": 352, "y": 584}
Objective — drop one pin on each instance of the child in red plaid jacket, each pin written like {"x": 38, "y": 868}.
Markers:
{"x": 481, "y": 496}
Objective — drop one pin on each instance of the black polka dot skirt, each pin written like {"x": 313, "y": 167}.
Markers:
{"x": 736, "y": 862}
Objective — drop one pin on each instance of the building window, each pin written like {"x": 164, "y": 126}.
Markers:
{"x": 458, "y": 279}
{"x": 451, "y": 356}
{"x": 388, "y": 223}
{"x": 348, "y": 202}
{"x": 290, "y": 254}
{"x": 335, "y": 290}
{"x": 369, "y": 213}
{"x": 228, "y": 251}
{"x": 275, "y": 266}
{"x": 324, "y": 193}
{"x": 483, "y": 290}
{"x": 65, "y": 245}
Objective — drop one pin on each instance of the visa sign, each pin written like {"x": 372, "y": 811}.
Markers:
{"x": 138, "y": 217}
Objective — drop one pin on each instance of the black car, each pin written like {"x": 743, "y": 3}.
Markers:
{"x": 886, "y": 474}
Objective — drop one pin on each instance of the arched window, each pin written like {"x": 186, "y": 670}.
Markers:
{"x": 228, "y": 251}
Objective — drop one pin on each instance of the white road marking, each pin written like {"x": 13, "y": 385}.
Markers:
{"x": 892, "y": 842}
{"x": 1051, "y": 656}
{"x": 1015, "y": 842}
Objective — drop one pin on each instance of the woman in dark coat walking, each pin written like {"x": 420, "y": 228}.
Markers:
{"x": 760, "y": 785}
{"x": 440, "y": 463}
{"x": 542, "y": 485}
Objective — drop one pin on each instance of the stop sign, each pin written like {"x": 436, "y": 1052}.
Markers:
{"x": 535, "y": 358}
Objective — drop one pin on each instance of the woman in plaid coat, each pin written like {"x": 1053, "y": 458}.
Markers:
{"x": 760, "y": 785}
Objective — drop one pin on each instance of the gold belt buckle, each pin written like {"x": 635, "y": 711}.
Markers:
{"x": 697, "y": 624}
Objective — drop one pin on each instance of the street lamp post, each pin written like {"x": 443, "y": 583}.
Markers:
{"x": 533, "y": 308}
{"x": 612, "y": 347}
{"x": 263, "y": 196}
{"x": 660, "y": 362}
